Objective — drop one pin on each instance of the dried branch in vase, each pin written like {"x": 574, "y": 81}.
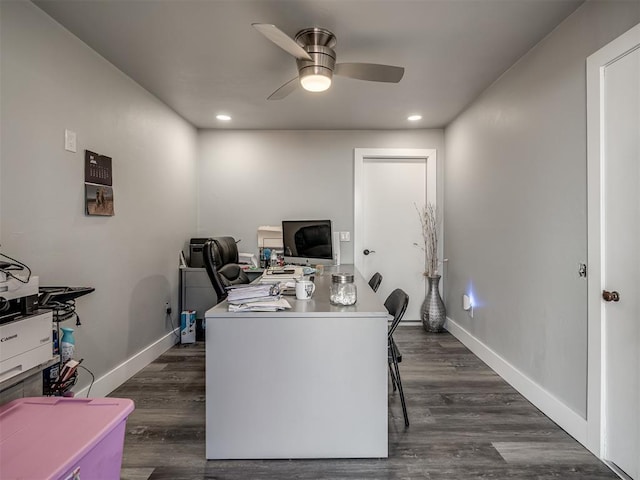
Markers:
{"x": 429, "y": 219}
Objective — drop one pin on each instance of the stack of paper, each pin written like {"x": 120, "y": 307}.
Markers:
{"x": 256, "y": 298}
{"x": 269, "y": 306}
{"x": 252, "y": 293}
{"x": 281, "y": 274}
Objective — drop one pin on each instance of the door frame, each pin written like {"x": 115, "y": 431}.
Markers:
{"x": 596, "y": 355}
{"x": 360, "y": 156}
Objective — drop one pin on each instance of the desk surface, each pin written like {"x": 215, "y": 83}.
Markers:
{"x": 368, "y": 303}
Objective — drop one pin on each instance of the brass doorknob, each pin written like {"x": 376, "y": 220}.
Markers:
{"x": 610, "y": 296}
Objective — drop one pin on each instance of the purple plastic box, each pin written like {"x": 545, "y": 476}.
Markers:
{"x": 63, "y": 438}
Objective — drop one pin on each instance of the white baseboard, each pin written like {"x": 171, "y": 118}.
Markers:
{"x": 410, "y": 323}
{"x": 565, "y": 417}
{"x": 111, "y": 380}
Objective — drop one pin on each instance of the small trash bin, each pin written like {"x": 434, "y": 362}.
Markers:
{"x": 57, "y": 438}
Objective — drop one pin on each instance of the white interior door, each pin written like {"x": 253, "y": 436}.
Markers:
{"x": 621, "y": 189}
{"x": 613, "y": 92}
{"x": 389, "y": 185}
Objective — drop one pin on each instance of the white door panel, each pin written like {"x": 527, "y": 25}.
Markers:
{"x": 621, "y": 272}
{"x": 391, "y": 227}
{"x": 389, "y": 183}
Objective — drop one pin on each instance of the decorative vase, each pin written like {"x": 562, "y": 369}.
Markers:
{"x": 67, "y": 344}
{"x": 433, "y": 312}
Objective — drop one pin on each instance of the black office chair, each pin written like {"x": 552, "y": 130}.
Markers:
{"x": 374, "y": 281}
{"x": 396, "y": 304}
{"x": 208, "y": 258}
{"x": 226, "y": 257}
{"x": 220, "y": 256}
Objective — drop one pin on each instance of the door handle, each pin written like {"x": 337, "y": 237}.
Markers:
{"x": 610, "y": 296}
{"x": 366, "y": 251}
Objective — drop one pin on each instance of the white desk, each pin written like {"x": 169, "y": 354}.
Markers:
{"x": 310, "y": 382}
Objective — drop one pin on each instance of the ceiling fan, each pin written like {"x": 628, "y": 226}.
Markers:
{"x": 315, "y": 56}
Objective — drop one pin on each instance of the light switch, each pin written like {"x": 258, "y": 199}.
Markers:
{"x": 345, "y": 236}
{"x": 70, "y": 141}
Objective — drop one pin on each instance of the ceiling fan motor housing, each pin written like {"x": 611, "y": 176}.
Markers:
{"x": 322, "y": 63}
{"x": 315, "y": 36}
{"x": 318, "y": 43}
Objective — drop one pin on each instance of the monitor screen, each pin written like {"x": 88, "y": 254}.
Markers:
{"x": 307, "y": 242}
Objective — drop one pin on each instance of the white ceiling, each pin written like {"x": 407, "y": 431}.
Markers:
{"x": 203, "y": 57}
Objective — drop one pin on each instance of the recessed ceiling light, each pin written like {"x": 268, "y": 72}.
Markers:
{"x": 414, "y": 118}
{"x": 224, "y": 118}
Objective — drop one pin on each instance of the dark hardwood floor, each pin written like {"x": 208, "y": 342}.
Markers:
{"x": 466, "y": 423}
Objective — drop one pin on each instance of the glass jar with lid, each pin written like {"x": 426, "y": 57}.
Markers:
{"x": 342, "y": 291}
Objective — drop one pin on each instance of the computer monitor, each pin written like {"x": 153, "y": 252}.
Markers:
{"x": 307, "y": 242}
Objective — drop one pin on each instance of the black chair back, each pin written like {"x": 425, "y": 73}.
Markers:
{"x": 396, "y": 304}
{"x": 209, "y": 259}
{"x": 375, "y": 281}
{"x": 226, "y": 251}
{"x": 226, "y": 260}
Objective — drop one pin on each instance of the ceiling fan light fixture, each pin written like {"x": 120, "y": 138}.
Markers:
{"x": 315, "y": 82}
{"x": 313, "y": 49}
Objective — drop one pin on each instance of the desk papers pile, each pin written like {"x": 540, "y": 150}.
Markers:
{"x": 281, "y": 274}
{"x": 245, "y": 293}
{"x": 256, "y": 298}
{"x": 270, "y": 306}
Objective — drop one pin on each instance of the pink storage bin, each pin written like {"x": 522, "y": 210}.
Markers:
{"x": 47, "y": 438}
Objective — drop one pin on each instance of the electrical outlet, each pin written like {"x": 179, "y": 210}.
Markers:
{"x": 167, "y": 308}
{"x": 467, "y": 304}
{"x": 345, "y": 236}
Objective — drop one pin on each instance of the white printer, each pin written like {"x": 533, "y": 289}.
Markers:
{"x": 25, "y": 331}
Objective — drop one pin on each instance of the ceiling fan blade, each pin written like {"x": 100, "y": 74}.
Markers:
{"x": 284, "y": 90}
{"x": 282, "y": 40}
{"x": 370, "y": 71}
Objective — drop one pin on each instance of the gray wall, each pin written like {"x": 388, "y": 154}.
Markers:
{"x": 252, "y": 178}
{"x": 515, "y": 196}
{"x": 52, "y": 81}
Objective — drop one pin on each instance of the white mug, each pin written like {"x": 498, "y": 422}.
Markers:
{"x": 304, "y": 289}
